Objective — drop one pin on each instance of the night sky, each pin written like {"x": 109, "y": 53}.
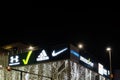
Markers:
{"x": 45, "y": 28}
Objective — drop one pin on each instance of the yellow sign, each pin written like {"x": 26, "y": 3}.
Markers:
{"x": 25, "y": 61}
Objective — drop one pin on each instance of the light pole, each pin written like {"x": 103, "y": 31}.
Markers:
{"x": 109, "y": 51}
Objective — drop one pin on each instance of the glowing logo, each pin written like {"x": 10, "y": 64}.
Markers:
{"x": 38, "y": 56}
{"x": 59, "y": 52}
{"x": 42, "y": 56}
{"x": 25, "y": 61}
{"x": 14, "y": 60}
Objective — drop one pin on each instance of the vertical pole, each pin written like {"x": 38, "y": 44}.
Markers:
{"x": 20, "y": 75}
{"x": 69, "y": 70}
{"x": 110, "y": 65}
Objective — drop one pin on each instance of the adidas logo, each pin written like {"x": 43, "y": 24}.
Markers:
{"x": 42, "y": 56}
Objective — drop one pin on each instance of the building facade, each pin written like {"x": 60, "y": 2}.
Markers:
{"x": 61, "y": 62}
{"x": 7, "y": 50}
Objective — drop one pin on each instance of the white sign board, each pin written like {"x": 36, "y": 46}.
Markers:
{"x": 100, "y": 68}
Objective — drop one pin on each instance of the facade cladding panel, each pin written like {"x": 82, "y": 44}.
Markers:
{"x": 59, "y": 70}
{"x": 1, "y": 74}
{"x": 56, "y": 70}
{"x": 79, "y": 72}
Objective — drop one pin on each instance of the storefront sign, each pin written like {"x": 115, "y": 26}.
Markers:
{"x": 108, "y": 72}
{"x": 105, "y": 72}
{"x": 25, "y": 61}
{"x": 32, "y": 57}
{"x": 42, "y": 56}
{"x": 102, "y": 70}
{"x": 14, "y": 60}
{"x": 87, "y": 61}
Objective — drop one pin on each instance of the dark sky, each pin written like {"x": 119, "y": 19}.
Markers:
{"x": 47, "y": 27}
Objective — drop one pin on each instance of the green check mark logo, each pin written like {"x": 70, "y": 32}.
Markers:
{"x": 25, "y": 61}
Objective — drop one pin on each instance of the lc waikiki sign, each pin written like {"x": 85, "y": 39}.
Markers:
{"x": 82, "y": 59}
{"x": 87, "y": 61}
{"x": 32, "y": 57}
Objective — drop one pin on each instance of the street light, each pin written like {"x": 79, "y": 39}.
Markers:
{"x": 108, "y": 49}
{"x": 80, "y": 46}
{"x": 31, "y": 48}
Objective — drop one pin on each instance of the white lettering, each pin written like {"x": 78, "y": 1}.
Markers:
{"x": 86, "y": 61}
{"x": 108, "y": 72}
{"x": 105, "y": 72}
{"x": 14, "y": 60}
{"x": 102, "y": 70}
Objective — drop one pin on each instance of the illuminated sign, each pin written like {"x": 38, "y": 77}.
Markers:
{"x": 74, "y": 53}
{"x": 105, "y": 72}
{"x": 100, "y": 68}
{"x": 37, "y": 56}
{"x": 108, "y": 72}
{"x": 87, "y": 61}
{"x": 42, "y": 56}
{"x": 59, "y": 52}
{"x": 14, "y": 60}
{"x": 25, "y": 61}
